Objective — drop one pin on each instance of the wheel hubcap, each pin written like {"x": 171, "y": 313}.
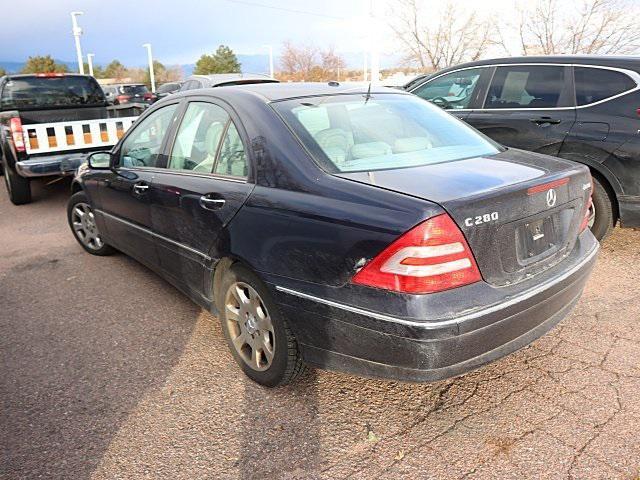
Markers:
{"x": 84, "y": 226}
{"x": 249, "y": 326}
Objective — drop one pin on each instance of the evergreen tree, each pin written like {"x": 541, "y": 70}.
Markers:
{"x": 43, "y": 64}
{"x": 222, "y": 61}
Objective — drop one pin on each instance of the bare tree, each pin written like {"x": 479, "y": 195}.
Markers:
{"x": 551, "y": 27}
{"x": 332, "y": 62}
{"x": 450, "y": 38}
{"x": 307, "y": 62}
{"x": 298, "y": 61}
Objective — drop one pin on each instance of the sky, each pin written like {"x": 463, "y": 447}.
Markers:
{"x": 179, "y": 30}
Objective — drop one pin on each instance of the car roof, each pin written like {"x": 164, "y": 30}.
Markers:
{"x": 273, "y": 92}
{"x": 620, "y": 61}
{"x": 222, "y": 78}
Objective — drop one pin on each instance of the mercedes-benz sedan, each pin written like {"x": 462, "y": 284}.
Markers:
{"x": 355, "y": 229}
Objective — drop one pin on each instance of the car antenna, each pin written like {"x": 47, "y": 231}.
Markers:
{"x": 368, "y": 95}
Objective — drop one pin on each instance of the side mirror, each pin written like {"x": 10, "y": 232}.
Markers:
{"x": 99, "y": 160}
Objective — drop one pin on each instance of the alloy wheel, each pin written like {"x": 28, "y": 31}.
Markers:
{"x": 592, "y": 215}
{"x": 84, "y": 226}
{"x": 249, "y": 326}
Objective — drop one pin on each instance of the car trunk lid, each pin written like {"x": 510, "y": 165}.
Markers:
{"x": 520, "y": 212}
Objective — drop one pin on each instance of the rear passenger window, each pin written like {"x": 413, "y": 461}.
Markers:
{"x": 198, "y": 139}
{"x": 232, "y": 159}
{"x": 595, "y": 84}
{"x": 208, "y": 142}
{"x": 528, "y": 86}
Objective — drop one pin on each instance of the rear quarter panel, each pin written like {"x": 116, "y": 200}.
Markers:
{"x": 303, "y": 223}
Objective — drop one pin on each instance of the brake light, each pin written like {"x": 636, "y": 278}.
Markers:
{"x": 587, "y": 211}
{"x": 123, "y": 98}
{"x": 49, "y": 75}
{"x": 148, "y": 96}
{"x": 431, "y": 257}
{"x": 15, "y": 125}
{"x": 547, "y": 186}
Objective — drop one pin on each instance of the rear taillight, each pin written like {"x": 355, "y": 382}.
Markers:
{"x": 16, "y": 133}
{"x": 123, "y": 98}
{"x": 431, "y": 257}
{"x": 49, "y": 75}
{"x": 587, "y": 211}
{"x": 149, "y": 96}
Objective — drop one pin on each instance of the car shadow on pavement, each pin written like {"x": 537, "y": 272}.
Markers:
{"x": 78, "y": 346}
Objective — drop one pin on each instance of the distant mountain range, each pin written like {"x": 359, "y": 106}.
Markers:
{"x": 249, "y": 63}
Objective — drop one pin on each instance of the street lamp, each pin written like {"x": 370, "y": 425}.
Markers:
{"x": 77, "y": 31}
{"x": 270, "y": 47}
{"x": 90, "y": 62}
{"x": 151, "y": 75}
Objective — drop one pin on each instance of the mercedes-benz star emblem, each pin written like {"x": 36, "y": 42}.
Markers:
{"x": 551, "y": 198}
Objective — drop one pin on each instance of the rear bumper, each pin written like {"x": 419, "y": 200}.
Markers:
{"x": 50, "y": 165}
{"x": 341, "y": 337}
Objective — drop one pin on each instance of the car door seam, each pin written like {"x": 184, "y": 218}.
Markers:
{"x": 154, "y": 234}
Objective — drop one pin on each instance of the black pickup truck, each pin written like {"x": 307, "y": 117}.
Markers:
{"x": 48, "y": 122}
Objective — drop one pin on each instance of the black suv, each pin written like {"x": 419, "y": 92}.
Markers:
{"x": 582, "y": 108}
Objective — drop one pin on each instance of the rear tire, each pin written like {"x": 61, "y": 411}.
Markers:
{"x": 82, "y": 224}
{"x": 18, "y": 188}
{"x": 604, "y": 220}
{"x": 251, "y": 322}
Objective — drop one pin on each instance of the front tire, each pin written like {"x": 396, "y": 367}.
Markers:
{"x": 82, "y": 223}
{"x": 259, "y": 338}
{"x": 604, "y": 219}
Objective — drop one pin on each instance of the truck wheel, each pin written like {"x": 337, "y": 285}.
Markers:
{"x": 259, "y": 338}
{"x": 83, "y": 225}
{"x": 602, "y": 218}
{"x": 19, "y": 188}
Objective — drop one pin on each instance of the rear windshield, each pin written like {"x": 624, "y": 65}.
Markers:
{"x": 133, "y": 89}
{"x": 26, "y": 93}
{"x": 350, "y": 133}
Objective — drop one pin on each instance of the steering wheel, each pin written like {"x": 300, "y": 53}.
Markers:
{"x": 441, "y": 102}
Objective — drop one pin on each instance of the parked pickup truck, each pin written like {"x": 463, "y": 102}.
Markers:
{"x": 48, "y": 123}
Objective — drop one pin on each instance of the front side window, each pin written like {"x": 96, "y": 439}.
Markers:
{"x": 595, "y": 84}
{"x": 451, "y": 91}
{"x": 528, "y": 86}
{"x": 142, "y": 146}
{"x": 384, "y": 131}
{"x": 198, "y": 139}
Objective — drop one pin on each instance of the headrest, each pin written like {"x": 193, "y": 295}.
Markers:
{"x": 411, "y": 144}
{"x": 371, "y": 149}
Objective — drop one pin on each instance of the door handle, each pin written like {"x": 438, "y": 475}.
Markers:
{"x": 140, "y": 188}
{"x": 545, "y": 121}
{"x": 212, "y": 203}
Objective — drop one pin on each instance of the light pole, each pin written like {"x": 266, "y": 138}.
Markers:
{"x": 90, "y": 62}
{"x": 271, "y": 72}
{"x": 375, "y": 46}
{"x": 151, "y": 75}
{"x": 77, "y": 31}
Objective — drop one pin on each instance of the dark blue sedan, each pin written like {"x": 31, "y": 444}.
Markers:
{"x": 350, "y": 228}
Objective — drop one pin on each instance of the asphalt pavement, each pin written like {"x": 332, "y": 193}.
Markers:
{"x": 108, "y": 372}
